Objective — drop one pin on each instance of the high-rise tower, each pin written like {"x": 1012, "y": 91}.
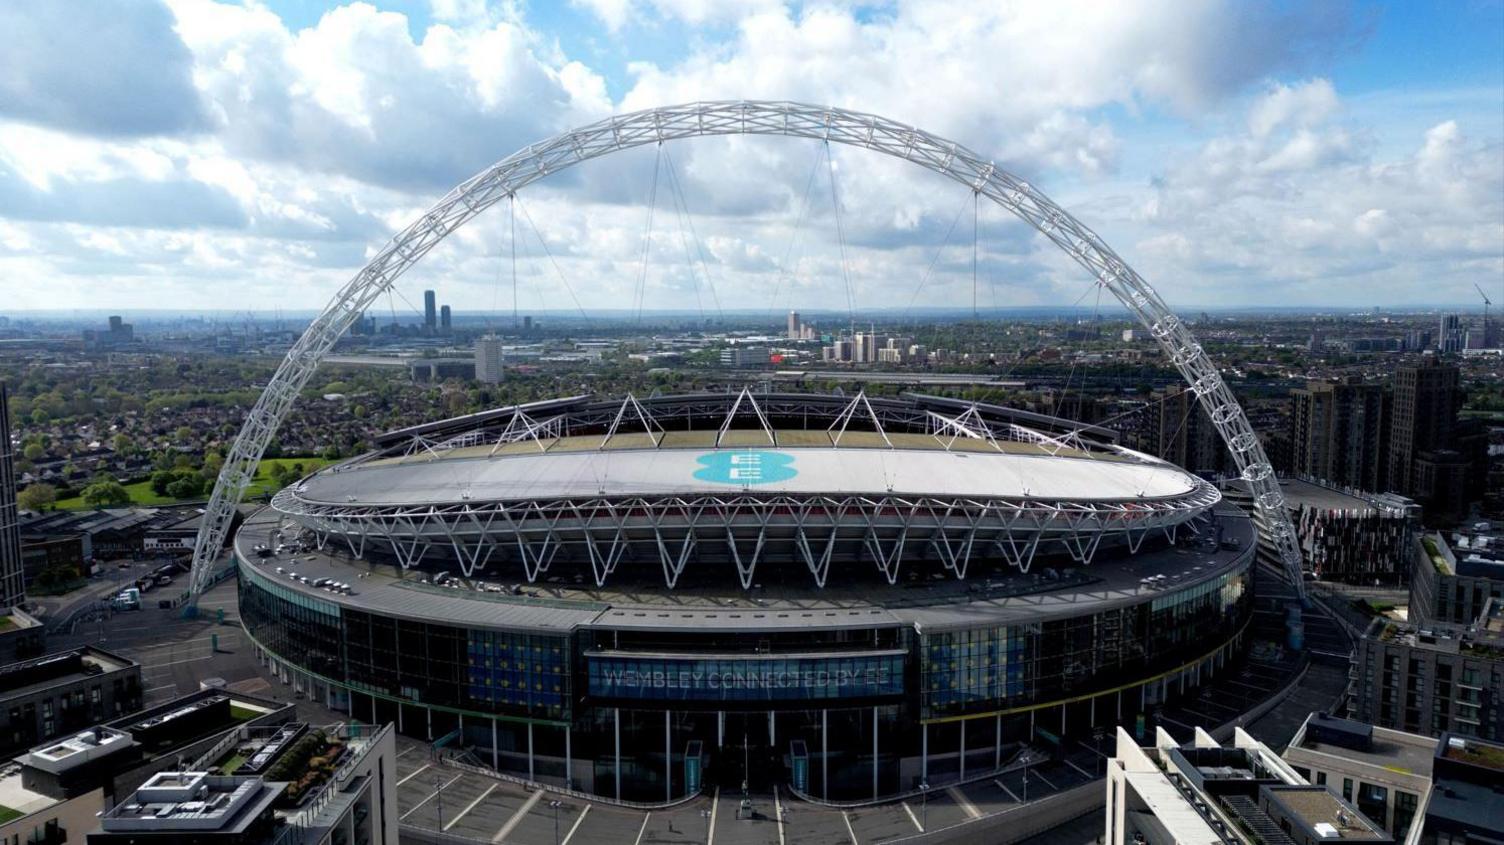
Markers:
{"x": 430, "y": 312}
{"x": 12, "y": 578}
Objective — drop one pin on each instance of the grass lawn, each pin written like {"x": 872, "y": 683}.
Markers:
{"x": 6, "y": 622}
{"x": 235, "y": 761}
{"x": 7, "y": 814}
{"x": 141, "y": 492}
{"x": 243, "y": 714}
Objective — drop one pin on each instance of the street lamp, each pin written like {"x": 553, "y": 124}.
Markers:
{"x": 555, "y": 805}
{"x": 924, "y": 806}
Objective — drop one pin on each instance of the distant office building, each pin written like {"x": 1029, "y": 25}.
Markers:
{"x": 445, "y": 320}
{"x": 1426, "y": 401}
{"x": 22, "y": 637}
{"x": 1441, "y": 483}
{"x": 527, "y": 325}
{"x": 1453, "y": 582}
{"x": 12, "y": 578}
{"x": 1433, "y": 679}
{"x": 432, "y": 370}
{"x": 119, "y": 333}
{"x": 488, "y": 360}
{"x": 1339, "y": 432}
{"x": 1344, "y": 534}
{"x": 430, "y": 312}
{"x": 1174, "y": 427}
{"x": 45, "y": 697}
{"x": 1449, "y": 336}
{"x": 1385, "y": 773}
{"x": 1416, "y": 341}
{"x": 745, "y": 356}
{"x": 1318, "y": 341}
{"x": 1206, "y": 794}
{"x": 1464, "y": 805}
{"x": 793, "y": 328}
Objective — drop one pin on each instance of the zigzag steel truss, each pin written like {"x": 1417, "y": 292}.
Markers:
{"x": 814, "y": 530}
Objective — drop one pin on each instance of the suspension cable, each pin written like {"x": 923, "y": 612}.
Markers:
{"x": 784, "y": 269}
{"x": 512, "y": 224}
{"x": 678, "y": 187}
{"x": 976, "y": 199}
{"x": 835, "y": 203}
{"x": 679, "y": 216}
{"x": 551, "y": 260}
{"x": 934, "y": 260}
{"x": 647, "y": 239}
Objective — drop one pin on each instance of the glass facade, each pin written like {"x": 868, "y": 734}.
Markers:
{"x": 605, "y": 705}
{"x": 977, "y": 669}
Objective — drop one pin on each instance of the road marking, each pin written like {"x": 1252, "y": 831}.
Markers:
{"x": 1043, "y": 778}
{"x": 442, "y": 787}
{"x": 527, "y": 807}
{"x": 960, "y": 798}
{"x": 150, "y": 690}
{"x": 1081, "y": 770}
{"x": 641, "y": 830}
{"x": 576, "y": 826}
{"x": 415, "y": 773}
{"x": 471, "y": 806}
{"x": 913, "y": 818}
{"x": 1000, "y": 785}
{"x": 715, "y": 804}
{"x": 408, "y": 750}
{"x": 849, "y": 832}
{"x": 778, "y": 814}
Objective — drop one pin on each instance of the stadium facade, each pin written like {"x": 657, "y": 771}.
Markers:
{"x": 844, "y": 596}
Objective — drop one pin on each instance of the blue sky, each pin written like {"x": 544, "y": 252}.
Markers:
{"x": 222, "y": 155}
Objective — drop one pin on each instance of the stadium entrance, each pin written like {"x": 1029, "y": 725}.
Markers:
{"x": 745, "y": 757}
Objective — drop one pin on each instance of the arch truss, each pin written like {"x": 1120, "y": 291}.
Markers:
{"x": 655, "y": 126}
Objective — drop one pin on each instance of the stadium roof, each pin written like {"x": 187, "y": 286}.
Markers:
{"x": 557, "y": 474}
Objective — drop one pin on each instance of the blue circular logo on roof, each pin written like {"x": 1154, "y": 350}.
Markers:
{"x": 746, "y": 467}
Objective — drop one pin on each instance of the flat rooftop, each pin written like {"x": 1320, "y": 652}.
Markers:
{"x": 689, "y": 462}
{"x": 26, "y": 677}
{"x": 1002, "y": 596}
{"x": 1386, "y": 753}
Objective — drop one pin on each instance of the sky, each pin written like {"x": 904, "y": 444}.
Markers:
{"x": 252, "y": 156}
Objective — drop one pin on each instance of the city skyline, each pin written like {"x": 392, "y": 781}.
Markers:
{"x": 1349, "y": 157}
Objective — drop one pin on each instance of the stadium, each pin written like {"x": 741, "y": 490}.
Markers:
{"x": 842, "y": 596}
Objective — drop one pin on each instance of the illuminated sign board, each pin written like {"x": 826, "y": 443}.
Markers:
{"x": 763, "y": 678}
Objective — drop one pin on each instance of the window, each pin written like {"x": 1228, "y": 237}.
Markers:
{"x": 1347, "y": 789}
{"x": 1321, "y": 778}
{"x": 1404, "y": 812}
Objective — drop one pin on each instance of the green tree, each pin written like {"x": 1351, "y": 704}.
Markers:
{"x": 105, "y": 493}
{"x": 37, "y": 497}
{"x": 34, "y": 452}
{"x": 160, "y": 480}
{"x": 183, "y": 434}
{"x": 186, "y": 487}
{"x": 122, "y": 443}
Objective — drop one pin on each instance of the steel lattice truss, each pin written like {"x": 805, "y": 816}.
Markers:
{"x": 655, "y": 126}
{"x": 746, "y": 528}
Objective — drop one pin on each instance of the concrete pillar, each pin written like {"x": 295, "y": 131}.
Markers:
{"x": 617, "y": 719}
{"x": 924, "y": 751}
{"x": 961, "y": 761}
{"x": 530, "y": 751}
{"x": 874, "y": 753}
{"x": 568, "y": 756}
{"x": 668, "y": 757}
{"x": 495, "y": 748}
{"x": 824, "y": 756}
{"x": 997, "y": 743}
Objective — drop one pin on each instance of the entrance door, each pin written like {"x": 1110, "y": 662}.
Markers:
{"x": 745, "y": 755}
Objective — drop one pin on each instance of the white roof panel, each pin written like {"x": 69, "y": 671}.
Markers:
{"x": 797, "y": 471}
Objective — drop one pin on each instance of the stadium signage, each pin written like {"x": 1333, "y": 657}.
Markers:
{"x": 746, "y": 679}
{"x": 745, "y": 467}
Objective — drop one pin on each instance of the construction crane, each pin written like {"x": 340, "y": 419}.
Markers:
{"x": 1487, "y": 338}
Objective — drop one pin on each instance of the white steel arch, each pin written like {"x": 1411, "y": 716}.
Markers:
{"x": 742, "y": 117}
